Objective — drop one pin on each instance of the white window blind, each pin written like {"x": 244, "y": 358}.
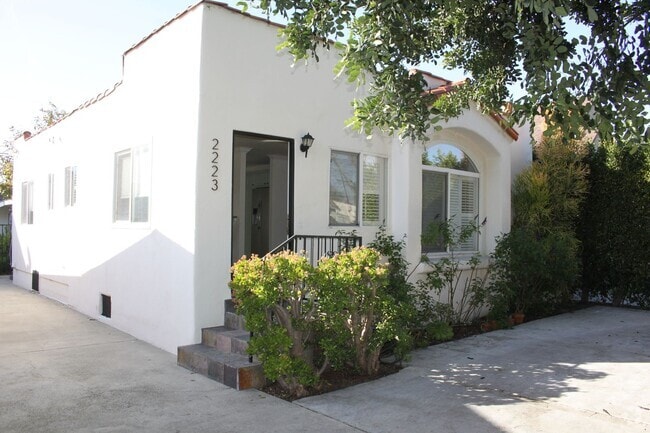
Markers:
{"x": 70, "y": 186}
{"x": 141, "y": 184}
{"x": 463, "y": 207}
{"x": 27, "y": 203}
{"x": 50, "y": 191}
{"x": 374, "y": 190}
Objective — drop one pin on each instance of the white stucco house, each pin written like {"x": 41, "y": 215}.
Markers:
{"x": 136, "y": 204}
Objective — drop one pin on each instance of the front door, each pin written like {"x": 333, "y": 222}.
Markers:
{"x": 262, "y": 195}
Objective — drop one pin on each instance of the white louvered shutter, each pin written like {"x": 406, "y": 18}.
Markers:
{"x": 373, "y": 206}
{"x": 463, "y": 207}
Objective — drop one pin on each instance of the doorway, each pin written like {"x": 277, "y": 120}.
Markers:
{"x": 262, "y": 193}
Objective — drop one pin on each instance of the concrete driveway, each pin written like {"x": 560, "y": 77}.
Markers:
{"x": 587, "y": 371}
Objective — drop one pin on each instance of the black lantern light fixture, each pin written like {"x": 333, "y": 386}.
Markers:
{"x": 305, "y": 143}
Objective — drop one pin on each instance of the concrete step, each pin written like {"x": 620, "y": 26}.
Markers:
{"x": 231, "y": 369}
{"x": 225, "y": 339}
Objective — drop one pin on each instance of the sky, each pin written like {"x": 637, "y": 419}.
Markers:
{"x": 68, "y": 51}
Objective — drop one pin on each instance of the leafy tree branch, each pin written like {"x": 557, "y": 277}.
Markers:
{"x": 598, "y": 80}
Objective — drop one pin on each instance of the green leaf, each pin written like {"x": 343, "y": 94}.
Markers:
{"x": 593, "y": 16}
{"x": 243, "y": 5}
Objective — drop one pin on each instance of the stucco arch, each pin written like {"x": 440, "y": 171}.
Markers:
{"x": 489, "y": 147}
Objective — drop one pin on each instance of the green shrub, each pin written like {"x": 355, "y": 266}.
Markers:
{"x": 614, "y": 225}
{"x": 534, "y": 273}
{"x": 306, "y": 319}
{"x": 398, "y": 284}
{"x": 359, "y": 315}
{"x": 276, "y": 298}
{"x": 536, "y": 265}
{"x": 5, "y": 250}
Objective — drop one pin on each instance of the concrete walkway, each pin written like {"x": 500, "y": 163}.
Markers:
{"x": 583, "y": 372}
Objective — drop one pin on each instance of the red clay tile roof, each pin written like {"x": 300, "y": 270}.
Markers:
{"x": 498, "y": 117}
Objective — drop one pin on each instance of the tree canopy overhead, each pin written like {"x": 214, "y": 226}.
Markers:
{"x": 598, "y": 80}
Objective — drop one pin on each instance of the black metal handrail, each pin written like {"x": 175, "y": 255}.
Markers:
{"x": 315, "y": 247}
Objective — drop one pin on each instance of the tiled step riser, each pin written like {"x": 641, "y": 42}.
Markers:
{"x": 226, "y": 340}
{"x": 231, "y": 319}
{"x": 192, "y": 360}
{"x": 233, "y": 371}
{"x": 234, "y": 321}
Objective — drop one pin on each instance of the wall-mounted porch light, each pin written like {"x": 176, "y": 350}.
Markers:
{"x": 305, "y": 143}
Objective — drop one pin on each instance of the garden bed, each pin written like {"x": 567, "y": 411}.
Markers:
{"x": 335, "y": 380}
{"x": 332, "y": 381}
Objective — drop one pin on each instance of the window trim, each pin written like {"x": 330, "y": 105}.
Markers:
{"x": 360, "y": 188}
{"x": 131, "y": 152}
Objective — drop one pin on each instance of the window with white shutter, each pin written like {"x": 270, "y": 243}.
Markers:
{"x": 357, "y": 182}
{"x": 450, "y": 192}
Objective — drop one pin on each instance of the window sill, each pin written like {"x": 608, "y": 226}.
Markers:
{"x": 131, "y": 225}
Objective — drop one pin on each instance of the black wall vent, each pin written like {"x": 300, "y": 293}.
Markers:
{"x": 106, "y": 306}
{"x": 35, "y": 281}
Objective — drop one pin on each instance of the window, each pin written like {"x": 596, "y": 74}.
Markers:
{"x": 357, "y": 181}
{"x": 450, "y": 183}
{"x": 132, "y": 185}
{"x": 344, "y": 188}
{"x": 50, "y": 191}
{"x": 27, "y": 203}
{"x": 70, "y": 186}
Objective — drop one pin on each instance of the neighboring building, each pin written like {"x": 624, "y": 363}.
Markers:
{"x": 136, "y": 204}
{"x": 5, "y": 212}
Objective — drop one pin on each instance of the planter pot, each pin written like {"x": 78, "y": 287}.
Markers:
{"x": 490, "y": 325}
{"x": 518, "y": 318}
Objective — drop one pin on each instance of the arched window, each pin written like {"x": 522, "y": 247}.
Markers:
{"x": 450, "y": 193}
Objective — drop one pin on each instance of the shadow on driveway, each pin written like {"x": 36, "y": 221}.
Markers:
{"x": 587, "y": 371}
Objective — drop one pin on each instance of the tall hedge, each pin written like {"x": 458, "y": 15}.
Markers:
{"x": 615, "y": 226}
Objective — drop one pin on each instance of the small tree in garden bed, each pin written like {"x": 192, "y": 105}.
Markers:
{"x": 276, "y": 298}
{"x": 358, "y": 314}
{"x": 536, "y": 265}
{"x": 457, "y": 281}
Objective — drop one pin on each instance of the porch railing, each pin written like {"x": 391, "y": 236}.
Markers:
{"x": 315, "y": 247}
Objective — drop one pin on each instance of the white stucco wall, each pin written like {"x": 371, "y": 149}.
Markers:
{"x": 147, "y": 269}
{"x": 246, "y": 85}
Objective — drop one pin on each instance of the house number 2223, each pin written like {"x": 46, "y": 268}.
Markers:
{"x": 215, "y": 167}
